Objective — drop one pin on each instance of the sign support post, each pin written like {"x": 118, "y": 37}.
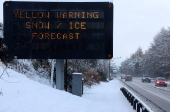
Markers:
{"x": 60, "y": 74}
{"x": 109, "y": 71}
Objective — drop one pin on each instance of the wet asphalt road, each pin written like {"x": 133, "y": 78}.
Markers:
{"x": 158, "y": 95}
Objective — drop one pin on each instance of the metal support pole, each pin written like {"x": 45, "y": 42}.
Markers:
{"x": 129, "y": 97}
{"x": 109, "y": 69}
{"x": 60, "y": 74}
{"x": 132, "y": 100}
{"x": 134, "y": 104}
{"x": 66, "y": 83}
{"x": 138, "y": 107}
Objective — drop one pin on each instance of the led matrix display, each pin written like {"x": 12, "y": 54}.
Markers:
{"x": 58, "y": 30}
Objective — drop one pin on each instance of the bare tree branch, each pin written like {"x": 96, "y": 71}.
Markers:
{"x": 2, "y": 73}
{"x": 5, "y": 67}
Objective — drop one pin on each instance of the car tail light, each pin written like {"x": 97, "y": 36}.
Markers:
{"x": 126, "y": 77}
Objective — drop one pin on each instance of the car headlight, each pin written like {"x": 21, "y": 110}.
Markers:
{"x": 165, "y": 82}
{"x": 143, "y": 78}
{"x": 149, "y": 78}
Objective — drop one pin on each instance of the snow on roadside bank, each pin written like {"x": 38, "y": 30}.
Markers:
{"x": 108, "y": 97}
{"x": 20, "y": 94}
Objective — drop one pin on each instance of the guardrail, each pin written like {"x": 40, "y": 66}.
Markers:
{"x": 137, "y": 105}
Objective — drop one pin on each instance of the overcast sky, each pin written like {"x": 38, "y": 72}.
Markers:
{"x": 136, "y": 22}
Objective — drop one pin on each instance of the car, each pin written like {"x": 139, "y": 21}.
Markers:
{"x": 146, "y": 78}
{"x": 128, "y": 78}
{"x": 160, "y": 81}
{"x": 123, "y": 76}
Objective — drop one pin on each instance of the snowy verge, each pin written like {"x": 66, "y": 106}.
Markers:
{"x": 108, "y": 97}
{"x": 21, "y": 94}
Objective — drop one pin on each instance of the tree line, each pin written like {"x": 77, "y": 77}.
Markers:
{"x": 155, "y": 61}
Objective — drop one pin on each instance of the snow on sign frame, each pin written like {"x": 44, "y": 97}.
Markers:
{"x": 58, "y": 30}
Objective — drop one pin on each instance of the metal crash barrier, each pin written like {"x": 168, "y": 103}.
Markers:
{"x": 137, "y": 105}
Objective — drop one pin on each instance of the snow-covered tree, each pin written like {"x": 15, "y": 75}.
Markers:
{"x": 133, "y": 65}
{"x": 1, "y": 43}
{"x": 1, "y": 30}
{"x": 155, "y": 61}
{"x": 52, "y": 72}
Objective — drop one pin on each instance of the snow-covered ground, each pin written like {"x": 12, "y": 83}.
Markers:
{"x": 108, "y": 97}
{"x": 20, "y": 94}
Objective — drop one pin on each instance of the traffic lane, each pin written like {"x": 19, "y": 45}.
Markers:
{"x": 152, "y": 84}
{"x": 162, "y": 102}
{"x": 152, "y": 80}
{"x": 155, "y": 90}
{"x": 163, "y": 92}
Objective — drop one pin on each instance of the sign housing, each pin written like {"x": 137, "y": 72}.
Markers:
{"x": 58, "y": 30}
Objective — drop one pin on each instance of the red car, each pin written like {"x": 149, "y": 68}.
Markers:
{"x": 160, "y": 81}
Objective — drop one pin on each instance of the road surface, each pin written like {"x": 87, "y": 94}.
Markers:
{"x": 158, "y": 95}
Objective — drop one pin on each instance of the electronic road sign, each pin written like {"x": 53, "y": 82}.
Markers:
{"x": 58, "y": 30}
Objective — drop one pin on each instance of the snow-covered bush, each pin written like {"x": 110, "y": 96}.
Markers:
{"x": 91, "y": 77}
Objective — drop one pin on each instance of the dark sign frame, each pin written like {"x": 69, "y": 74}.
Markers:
{"x": 90, "y": 38}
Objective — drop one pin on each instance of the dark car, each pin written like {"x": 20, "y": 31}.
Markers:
{"x": 146, "y": 78}
{"x": 160, "y": 81}
{"x": 128, "y": 78}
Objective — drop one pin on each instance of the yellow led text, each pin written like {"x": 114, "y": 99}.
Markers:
{"x": 54, "y": 36}
{"x": 37, "y": 25}
{"x": 77, "y": 25}
{"x": 30, "y": 14}
{"x": 77, "y": 14}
